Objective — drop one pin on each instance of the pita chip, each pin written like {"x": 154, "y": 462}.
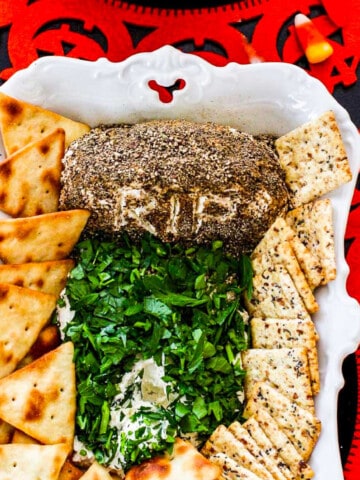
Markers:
{"x": 23, "y": 313}
{"x": 31, "y": 462}
{"x": 49, "y": 338}
{"x": 40, "y": 398}
{"x": 96, "y": 472}
{"x": 22, "y": 123}
{"x": 288, "y": 333}
{"x": 6, "y": 431}
{"x": 30, "y": 178}
{"x": 70, "y": 472}
{"x": 299, "y": 424}
{"x": 313, "y": 224}
{"x": 314, "y": 159}
{"x": 285, "y": 368}
{"x": 21, "y": 437}
{"x": 48, "y": 277}
{"x": 50, "y": 236}
{"x": 185, "y": 461}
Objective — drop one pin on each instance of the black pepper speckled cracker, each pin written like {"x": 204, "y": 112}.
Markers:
{"x": 299, "y": 424}
{"x": 313, "y": 224}
{"x": 286, "y": 368}
{"x": 314, "y": 159}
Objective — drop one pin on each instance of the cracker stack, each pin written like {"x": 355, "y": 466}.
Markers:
{"x": 295, "y": 256}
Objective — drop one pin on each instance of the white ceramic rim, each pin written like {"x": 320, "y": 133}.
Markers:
{"x": 259, "y": 98}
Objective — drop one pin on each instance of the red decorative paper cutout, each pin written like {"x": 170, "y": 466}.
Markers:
{"x": 103, "y": 28}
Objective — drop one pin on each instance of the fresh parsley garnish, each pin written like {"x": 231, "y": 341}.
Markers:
{"x": 180, "y": 307}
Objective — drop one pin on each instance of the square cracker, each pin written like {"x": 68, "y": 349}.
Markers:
{"x": 40, "y": 399}
{"x": 300, "y": 425}
{"x": 300, "y": 469}
{"x": 253, "y": 428}
{"x": 288, "y": 333}
{"x": 275, "y": 295}
{"x": 241, "y": 434}
{"x": 22, "y": 123}
{"x": 283, "y": 254}
{"x": 223, "y": 441}
{"x": 50, "y": 236}
{"x": 313, "y": 224}
{"x": 285, "y": 368}
{"x": 230, "y": 469}
{"x": 30, "y": 178}
{"x": 314, "y": 159}
{"x": 281, "y": 232}
{"x": 309, "y": 263}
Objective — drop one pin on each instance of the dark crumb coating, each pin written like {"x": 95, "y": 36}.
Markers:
{"x": 181, "y": 181}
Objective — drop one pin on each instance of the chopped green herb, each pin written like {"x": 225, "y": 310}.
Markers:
{"x": 180, "y": 307}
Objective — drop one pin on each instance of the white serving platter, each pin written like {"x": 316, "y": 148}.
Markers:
{"x": 259, "y": 98}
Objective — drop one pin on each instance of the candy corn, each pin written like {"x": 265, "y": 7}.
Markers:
{"x": 314, "y": 43}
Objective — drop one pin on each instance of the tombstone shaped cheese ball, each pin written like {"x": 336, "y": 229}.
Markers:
{"x": 179, "y": 180}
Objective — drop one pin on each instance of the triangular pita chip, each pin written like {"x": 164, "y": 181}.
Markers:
{"x": 70, "y": 472}
{"x": 40, "y": 399}
{"x": 30, "y": 178}
{"x": 23, "y": 313}
{"x": 47, "y": 277}
{"x": 288, "y": 333}
{"x": 21, "y": 437}
{"x": 185, "y": 461}
{"x": 51, "y": 236}
{"x": 49, "y": 338}
{"x": 96, "y": 472}
{"x": 314, "y": 159}
{"x": 6, "y": 431}
{"x": 286, "y": 368}
{"x": 22, "y": 123}
{"x": 299, "y": 424}
{"x": 31, "y": 462}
